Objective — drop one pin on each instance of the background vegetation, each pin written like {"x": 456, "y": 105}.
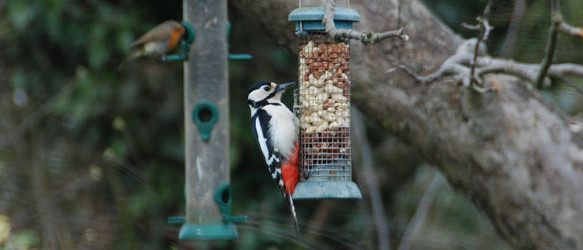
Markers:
{"x": 92, "y": 158}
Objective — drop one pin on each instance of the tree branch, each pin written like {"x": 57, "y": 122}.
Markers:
{"x": 570, "y": 30}
{"x": 551, "y": 43}
{"x": 484, "y": 28}
{"x": 364, "y": 37}
{"x": 419, "y": 216}
{"x": 38, "y": 113}
{"x": 557, "y": 25}
{"x": 459, "y": 65}
{"x": 370, "y": 181}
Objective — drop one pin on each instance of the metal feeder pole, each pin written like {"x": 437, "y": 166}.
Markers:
{"x": 206, "y": 123}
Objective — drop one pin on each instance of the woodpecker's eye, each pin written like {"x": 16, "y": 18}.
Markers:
{"x": 266, "y": 88}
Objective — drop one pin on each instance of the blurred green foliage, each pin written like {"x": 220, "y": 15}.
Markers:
{"x": 92, "y": 157}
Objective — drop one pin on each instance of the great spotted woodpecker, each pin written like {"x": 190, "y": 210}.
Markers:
{"x": 276, "y": 130}
{"x": 156, "y": 42}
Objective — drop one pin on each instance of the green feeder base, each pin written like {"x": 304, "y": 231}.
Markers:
{"x": 326, "y": 190}
{"x": 219, "y": 231}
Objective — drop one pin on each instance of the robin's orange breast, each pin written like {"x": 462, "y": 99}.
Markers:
{"x": 174, "y": 38}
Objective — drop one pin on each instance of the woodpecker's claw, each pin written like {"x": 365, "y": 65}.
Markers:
{"x": 305, "y": 175}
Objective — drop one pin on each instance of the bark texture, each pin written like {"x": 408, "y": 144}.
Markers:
{"x": 510, "y": 152}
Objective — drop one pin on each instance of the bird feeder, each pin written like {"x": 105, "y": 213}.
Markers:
{"x": 323, "y": 104}
{"x": 206, "y": 125}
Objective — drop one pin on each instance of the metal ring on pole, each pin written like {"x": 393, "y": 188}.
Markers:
{"x": 205, "y": 115}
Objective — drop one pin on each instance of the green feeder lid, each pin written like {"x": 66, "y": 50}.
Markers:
{"x": 310, "y": 18}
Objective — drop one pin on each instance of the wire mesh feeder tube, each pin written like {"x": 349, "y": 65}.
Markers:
{"x": 323, "y": 104}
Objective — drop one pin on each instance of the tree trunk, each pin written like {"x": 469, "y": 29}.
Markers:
{"x": 511, "y": 152}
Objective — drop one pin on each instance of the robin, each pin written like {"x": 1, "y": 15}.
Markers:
{"x": 156, "y": 42}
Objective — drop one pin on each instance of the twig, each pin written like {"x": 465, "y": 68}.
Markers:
{"x": 528, "y": 71}
{"x": 452, "y": 66}
{"x": 420, "y": 213}
{"x": 319, "y": 217}
{"x": 23, "y": 216}
{"x": 473, "y": 64}
{"x": 551, "y": 43}
{"x": 557, "y": 25}
{"x": 365, "y": 37}
{"x": 570, "y": 30}
{"x": 39, "y": 113}
{"x": 484, "y": 27}
{"x": 566, "y": 69}
{"x": 371, "y": 182}
{"x": 459, "y": 63}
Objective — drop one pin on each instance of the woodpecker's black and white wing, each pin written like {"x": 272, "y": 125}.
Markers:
{"x": 260, "y": 124}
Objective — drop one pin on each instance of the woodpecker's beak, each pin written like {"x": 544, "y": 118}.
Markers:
{"x": 284, "y": 86}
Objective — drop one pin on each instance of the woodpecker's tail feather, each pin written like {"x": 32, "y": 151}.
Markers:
{"x": 290, "y": 204}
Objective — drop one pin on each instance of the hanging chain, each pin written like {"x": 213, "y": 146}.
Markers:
{"x": 347, "y": 3}
{"x": 301, "y": 23}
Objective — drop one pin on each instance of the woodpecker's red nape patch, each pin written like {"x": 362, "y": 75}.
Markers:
{"x": 290, "y": 171}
